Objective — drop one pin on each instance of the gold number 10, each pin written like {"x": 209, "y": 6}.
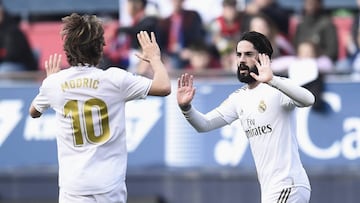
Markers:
{"x": 90, "y": 107}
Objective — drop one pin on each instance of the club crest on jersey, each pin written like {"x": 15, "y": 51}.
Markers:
{"x": 262, "y": 106}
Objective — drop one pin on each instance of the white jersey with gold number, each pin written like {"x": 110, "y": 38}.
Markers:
{"x": 89, "y": 105}
{"x": 268, "y": 120}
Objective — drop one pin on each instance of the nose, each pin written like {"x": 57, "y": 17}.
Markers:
{"x": 241, "y": 59}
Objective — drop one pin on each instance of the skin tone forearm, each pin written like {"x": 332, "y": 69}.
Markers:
{"x": 161, "y": 85}
{"x": 52, "y": 65}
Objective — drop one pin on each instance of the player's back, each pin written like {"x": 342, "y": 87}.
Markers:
{"x": 89, "y": 104}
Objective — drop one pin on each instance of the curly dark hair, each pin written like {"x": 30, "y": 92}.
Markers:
{"x": 83, "y": 39}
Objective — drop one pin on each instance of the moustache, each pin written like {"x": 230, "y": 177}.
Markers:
{"x": 246, "y": 77}
{"x": 243, "y": 67}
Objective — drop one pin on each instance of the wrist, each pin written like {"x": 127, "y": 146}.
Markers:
{"x": 273, "y": 81}
{"x": 186, "y": 107}
{"x": 155, "y": 59}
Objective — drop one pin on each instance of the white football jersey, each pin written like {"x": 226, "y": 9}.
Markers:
{"x": 268, "y": 119}
{"x": 90, "y": 110}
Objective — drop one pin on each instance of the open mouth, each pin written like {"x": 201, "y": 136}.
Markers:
{"x": 244, "y": 69}
{"x": 244, "y": 72}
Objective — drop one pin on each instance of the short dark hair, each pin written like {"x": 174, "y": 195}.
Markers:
{"x": 229, "y": 2}
{"x": 261, "y": 42}
{"x": 143, "y": 2}
{"x": 83, "y": 39}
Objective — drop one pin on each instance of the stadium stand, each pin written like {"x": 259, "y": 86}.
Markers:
{"x": 331, "y": 184}
{"x": 343, "y": 25}
{"x": 45, "y": 38}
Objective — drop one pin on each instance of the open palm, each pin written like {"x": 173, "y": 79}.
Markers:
{"x": 265, "y": 71}
{"x": 185, "y": 91}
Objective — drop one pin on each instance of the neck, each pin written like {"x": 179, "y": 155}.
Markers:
{"x": 253, "y": 84}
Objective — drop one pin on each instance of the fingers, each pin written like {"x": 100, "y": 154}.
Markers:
{"x": 139, "y": 56}
{"x": 256, "y": 77}
{"x": 263, "y": 64}
{"x": 54, "y": 60}
{"x": 58, "y": 61}
{"x": 143, "y": 38}
{"x": 139, "y": 37}
{"x": 153, "y": 38}
{"x": 48, "y": 63}
{"x": 264, "y": 60}
{"x": 53, "y": 64}
{"x": 185, "y": 80}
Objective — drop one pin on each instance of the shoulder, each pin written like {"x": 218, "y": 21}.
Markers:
{"x": 118, "y": 74}
{"x": 114, "y": 70}
{"x": 241, "y": 89}
{"x": 238, "y": 92}
{"x": 53, "y": 78}
{"x": 191, "y": 14}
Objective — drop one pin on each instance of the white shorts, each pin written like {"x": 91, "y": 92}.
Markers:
{"x": 289, "y": 195}
{"x": 117, "y": 195}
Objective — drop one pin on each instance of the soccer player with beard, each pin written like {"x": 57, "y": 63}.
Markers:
{"x": 265, "y": 107}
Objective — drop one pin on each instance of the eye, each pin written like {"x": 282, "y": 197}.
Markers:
{"x": 249, "y": 54}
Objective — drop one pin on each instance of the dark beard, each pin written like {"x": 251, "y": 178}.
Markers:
{"x": 246, "y": 78}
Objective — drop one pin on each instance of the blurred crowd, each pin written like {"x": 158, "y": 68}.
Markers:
{"x": 306, "y": 43}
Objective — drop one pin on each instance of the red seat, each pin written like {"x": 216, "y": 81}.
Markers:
{"x": 45, "y": 39}
{"x": 343, "y": 27}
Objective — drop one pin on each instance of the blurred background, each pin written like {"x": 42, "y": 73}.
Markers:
{"x": 316, "y": 43}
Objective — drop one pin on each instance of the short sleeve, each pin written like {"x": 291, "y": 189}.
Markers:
{"x": 41, "y": 101}
{"x": 132, "y": 86}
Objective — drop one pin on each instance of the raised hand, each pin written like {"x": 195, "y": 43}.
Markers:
{"x": 265, "y": 71}
{"x": 53, "y": 64}
{"x": 185, "y": 91}
{"x": 149, "y": 46}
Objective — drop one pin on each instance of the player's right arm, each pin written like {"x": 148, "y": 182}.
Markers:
{"x": 201, "y": 122}
{"x": 161, "y": 85}
{"x": 39, "y": 104}
{"x": 33, "y": 112}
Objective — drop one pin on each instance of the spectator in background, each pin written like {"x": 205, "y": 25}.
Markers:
{"x": 124, "y": 43}
{"x": 178, "y": 32}
{"x": 278, "y": 14}
{"x": 202, "y": 57}
{"x": 16, "y": 53}
{"x": 307, "y": 68}
{"x": 263, "y": 24}
{"x": 352, "y": 61}
{"x": 317, "y": 26}
{"x": 225, "y": 31}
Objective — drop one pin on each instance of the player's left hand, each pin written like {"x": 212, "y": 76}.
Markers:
{"x": 263, "y": 66}
{"x": 53, "y": 64}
